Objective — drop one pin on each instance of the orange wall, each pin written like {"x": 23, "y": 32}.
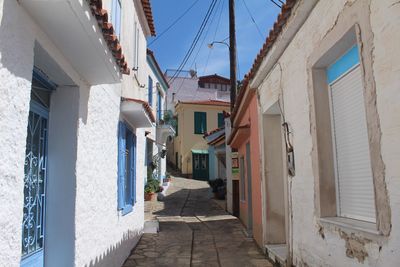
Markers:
{"x": 251, "y": 116}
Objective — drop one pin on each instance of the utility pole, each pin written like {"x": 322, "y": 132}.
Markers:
{"x": 232, "y": 51}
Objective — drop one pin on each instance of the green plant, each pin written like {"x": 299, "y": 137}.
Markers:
{"x": 153, "y": 185}
{"x": 147, "y": 190}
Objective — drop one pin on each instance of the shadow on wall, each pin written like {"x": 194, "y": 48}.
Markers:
{"x": 16, "y": 50}
{"x": 116, "y": 254}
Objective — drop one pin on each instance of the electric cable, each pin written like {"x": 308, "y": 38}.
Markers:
{"x": 205, "y": 35}
{"x": 215, "y": 35}
{"x": 195, "y": 40}
{"x": 173, "y": 23}
{"x": 200, "y": 46}
{"x": 254, "y": 21}
{"x": 275, "y": 3}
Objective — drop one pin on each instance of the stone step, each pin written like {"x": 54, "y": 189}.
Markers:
{"x": 151, "y": 227}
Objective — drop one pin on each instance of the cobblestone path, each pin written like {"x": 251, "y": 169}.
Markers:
{"x": 194, "y": 231}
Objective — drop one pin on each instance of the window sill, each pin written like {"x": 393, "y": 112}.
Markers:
{"x": 352, "y": 226}
{"x": 127, "y": 209}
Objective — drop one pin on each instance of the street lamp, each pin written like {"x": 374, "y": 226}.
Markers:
{"x": 211, "y": 45}
{"x": 232, "y": 60}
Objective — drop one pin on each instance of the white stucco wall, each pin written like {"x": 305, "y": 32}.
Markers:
{"x": 103, "y": 236}
{"x": 98, "y": 234}
{"x": 15, "y": 87}
{"x": 309, "y": 248}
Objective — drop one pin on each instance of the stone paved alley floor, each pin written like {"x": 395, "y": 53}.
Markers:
{"x": 194, "y": 231}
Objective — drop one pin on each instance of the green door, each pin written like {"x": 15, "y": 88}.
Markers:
{"x": 200, "y": 166}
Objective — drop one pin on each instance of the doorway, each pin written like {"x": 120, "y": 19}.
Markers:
{"x": 276, "y": 204}
{"x": 35, "y": 175}
{"x": 200, "y": 166}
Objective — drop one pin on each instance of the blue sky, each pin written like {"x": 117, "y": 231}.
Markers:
{"x": 173, "y": 45}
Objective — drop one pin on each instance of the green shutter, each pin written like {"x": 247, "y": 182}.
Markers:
{"x": 200, "y": 122}
{"x": 221, "y": 121}
{"x": 176, "y": 127}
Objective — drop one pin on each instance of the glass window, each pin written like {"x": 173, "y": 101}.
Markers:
{"x": 116, "y": 16}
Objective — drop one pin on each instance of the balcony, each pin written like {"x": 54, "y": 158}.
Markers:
{"x": 137, "y": 112}
{"x": 82, "y": 33}
{"x": 163, "y": 131}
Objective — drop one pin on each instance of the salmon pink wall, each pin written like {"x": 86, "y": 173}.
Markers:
{"x": 250, "y": 116}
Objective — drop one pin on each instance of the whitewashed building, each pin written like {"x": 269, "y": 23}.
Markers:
{"x": 157, "y": 135}
{"x": 73, "y": 114}
{"x": 327, "y": 86}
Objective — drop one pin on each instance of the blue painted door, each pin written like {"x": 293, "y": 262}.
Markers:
{"x": 35, "y": 172}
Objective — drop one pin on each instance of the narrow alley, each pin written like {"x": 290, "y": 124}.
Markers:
{"x": 194, "y": 231}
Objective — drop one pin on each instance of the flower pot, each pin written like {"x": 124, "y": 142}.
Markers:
{"x": 149, "y": 196}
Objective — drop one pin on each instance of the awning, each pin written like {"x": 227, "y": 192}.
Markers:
{"x": 137, "y": 112}
{"x": 82, "y": 32}
{"x": 199, "y": 151}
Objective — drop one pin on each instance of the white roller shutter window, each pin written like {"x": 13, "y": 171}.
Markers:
{"x": 353, "y": 163}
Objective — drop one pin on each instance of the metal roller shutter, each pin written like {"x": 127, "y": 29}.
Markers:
{"x": 353, "y": 164}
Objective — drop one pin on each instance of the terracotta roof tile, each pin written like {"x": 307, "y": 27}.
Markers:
{"x": 213, "y": 131}
{"x": 206, "y": 102}
{"x": 109, "y": 35}
{"x": 273, "y": 34}
{"x": 149, "y": 16}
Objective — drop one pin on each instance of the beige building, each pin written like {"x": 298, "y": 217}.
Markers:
{"x": 194, "y": 119}
{"x": 329, "y": 72}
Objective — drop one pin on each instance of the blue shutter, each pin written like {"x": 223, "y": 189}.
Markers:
{"x": 159, "y": 114}
{"x": 121, "y": 163}
{"x": 150, "y": 91}
{"x": 133, "y": 169}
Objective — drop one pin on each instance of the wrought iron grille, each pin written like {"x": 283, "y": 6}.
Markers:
{"x": 34, "y": 185}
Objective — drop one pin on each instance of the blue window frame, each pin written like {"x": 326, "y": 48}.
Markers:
{"x": 150, "y": 91}
{"x": 126, "y": 168}
{"x": 343, "y": 64}
{"x": 116, "y": 16}
{"x": 159, "y": 107}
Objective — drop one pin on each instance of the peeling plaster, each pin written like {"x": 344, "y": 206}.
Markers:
{"x": 355, "y": 246}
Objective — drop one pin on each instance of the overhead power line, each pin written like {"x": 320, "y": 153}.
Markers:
{"x": 275, "y": 3}
{"x": 174, "y": 22}
{"x": 207, "y": 31}
{"x": 195, "y": 41}
{"x": 215, "y": 34}
{"x": 252, "y": 18}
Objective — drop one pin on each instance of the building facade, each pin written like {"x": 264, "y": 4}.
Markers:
{"x": 73, "y": 117}
{"x": 190, "y": 148}
{"x": 158, "y": 135}
{"x": 244, "y": 138}
{"x": 327, "y": 116}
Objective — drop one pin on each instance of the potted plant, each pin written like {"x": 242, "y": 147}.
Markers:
{"x": 151, "y": 188}
{"x": 148, "y": 194}
{"x": 218, "y": 187}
